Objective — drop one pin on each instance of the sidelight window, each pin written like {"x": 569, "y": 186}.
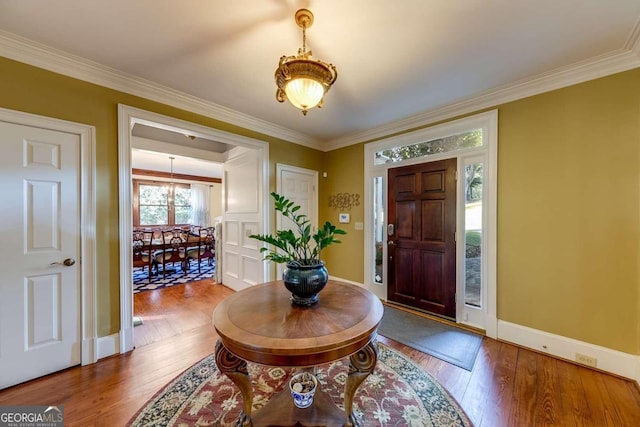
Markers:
{"x": 378, "y": 229}
{"x": 473, "y": 188}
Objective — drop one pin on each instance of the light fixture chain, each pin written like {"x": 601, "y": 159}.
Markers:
{"x": 304, "y": 39}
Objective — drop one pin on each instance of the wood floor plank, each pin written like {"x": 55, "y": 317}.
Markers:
{"x": 599, "y": 409}
{"x": 576, "y": 410}
{"x": 548, "y": 408}
{"x": 481, "y": 382}
{"x": 525, "y": 388}
{"x": 499, "y": 404}
{"x": 509, "y": 386}
{"x": 625, "y": 401}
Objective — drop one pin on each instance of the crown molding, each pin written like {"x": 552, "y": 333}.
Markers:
{"x": 39, "y": 55}
{"x": 618, "y": 61}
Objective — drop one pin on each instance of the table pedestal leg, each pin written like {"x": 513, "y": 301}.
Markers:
{"x": 236, "y": 370}
{"x": 362, "y": 363}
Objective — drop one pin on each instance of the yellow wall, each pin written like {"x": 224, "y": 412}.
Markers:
{"x": 568, "y": 188}
{"x": 36, "y": 91}
{"x": 345, "y": 174}
{"x": 568, "y": 212}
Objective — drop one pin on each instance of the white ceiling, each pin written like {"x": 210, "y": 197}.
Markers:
{"x": 398, "y": 61}
{"x": 155, "y": 161}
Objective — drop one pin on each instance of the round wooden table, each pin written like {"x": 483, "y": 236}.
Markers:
{"x": 260, "y": 325}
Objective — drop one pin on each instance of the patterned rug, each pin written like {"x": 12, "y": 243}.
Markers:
{"x": 141, "y": 277}
{"x": 397, "y": 393}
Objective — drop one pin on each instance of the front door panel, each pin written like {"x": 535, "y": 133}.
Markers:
{"x": 422, "y": 257}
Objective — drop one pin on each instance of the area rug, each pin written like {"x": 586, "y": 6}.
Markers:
{"x": 141, "y": 277}
{"x": 397, "y": 393}
{"x": 453, "y": 345}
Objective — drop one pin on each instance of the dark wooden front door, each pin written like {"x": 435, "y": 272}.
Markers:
{"x": 421, "y": 236}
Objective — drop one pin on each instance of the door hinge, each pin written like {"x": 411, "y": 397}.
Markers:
{"x": 455, "y": 236}
{"x": 456, "y": 174}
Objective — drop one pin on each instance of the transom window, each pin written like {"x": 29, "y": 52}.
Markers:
{"x": 470, "y": 139}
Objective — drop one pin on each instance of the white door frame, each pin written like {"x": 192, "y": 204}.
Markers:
{"x": 87, "y": 137}
{"x": 127, "y": 118}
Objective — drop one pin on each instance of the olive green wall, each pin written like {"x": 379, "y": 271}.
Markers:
{"x": 33, "y": 90}
{"x": 568, "y": 212}
{"x": 345, "y": 174}
{"x": 568, "y": 198}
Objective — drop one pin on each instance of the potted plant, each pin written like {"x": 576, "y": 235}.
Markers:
{"x": 305, "y": 274}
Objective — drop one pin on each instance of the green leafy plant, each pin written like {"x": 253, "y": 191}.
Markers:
{"x": 298, "y": 246}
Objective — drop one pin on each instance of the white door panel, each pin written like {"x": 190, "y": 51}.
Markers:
{"x": 242, "y": 264}
{"x": 298, "y": 185}
{"x": 39, "y": 296}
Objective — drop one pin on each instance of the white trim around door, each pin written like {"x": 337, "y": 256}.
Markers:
{"x": 127, "y": 117}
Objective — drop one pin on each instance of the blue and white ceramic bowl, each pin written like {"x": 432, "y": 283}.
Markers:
{"x": 303, "y": 386}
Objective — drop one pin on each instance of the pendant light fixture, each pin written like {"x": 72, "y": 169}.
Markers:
{"x": 171, "y": 183}
{"x": 300, "y": 79}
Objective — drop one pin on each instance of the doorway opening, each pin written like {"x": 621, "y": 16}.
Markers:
{"x": 177, "y": 197}
{"x": 238, "y": 265}
{"x": 471, "y": 143}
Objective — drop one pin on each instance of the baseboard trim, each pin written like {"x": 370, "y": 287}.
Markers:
{"x": 89, "y": 351}
{"x": 108, "y": 346}
{"x": 608, "y": 360}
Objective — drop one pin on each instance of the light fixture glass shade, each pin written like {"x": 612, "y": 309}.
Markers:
{"x": 304, "y": 93}
{"x": 301, "y": 79}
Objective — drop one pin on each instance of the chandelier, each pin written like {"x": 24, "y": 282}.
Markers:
{"x": 302, "y": 80}
{"x": 172, "y": 185}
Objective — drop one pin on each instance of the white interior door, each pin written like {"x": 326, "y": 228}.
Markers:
{"x": 40, "y": 328}
{"x": 242, "y": 201}
{"x": 299, "y": 185}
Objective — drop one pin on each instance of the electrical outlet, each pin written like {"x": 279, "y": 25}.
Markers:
{"x": 586, "y": 360}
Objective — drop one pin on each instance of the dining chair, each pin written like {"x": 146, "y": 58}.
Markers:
{"x": 205, "y": 249}
{"x": 142, "y": 256}
{"x": 174, "y": 249}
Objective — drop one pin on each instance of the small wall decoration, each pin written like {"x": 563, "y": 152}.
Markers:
{"x": 344, "y": 201}
{"x": 344, "y": 218}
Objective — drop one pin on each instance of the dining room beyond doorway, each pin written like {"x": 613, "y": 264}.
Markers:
{"x": 169, "y": 256}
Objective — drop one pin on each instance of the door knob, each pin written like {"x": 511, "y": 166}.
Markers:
{"x": 67, "y": 262}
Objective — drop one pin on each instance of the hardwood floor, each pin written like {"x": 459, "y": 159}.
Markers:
{"x": 509, "y": 386}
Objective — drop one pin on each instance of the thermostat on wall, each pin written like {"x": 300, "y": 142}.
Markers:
{"x": 343, "y": 217}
